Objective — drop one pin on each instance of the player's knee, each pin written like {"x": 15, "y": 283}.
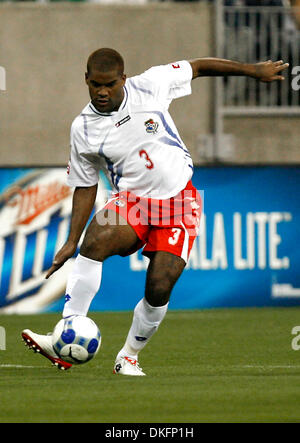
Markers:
{"x": 96, "y": 244}
{"x": 89, "y": 249}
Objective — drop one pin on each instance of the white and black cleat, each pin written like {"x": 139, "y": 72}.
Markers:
{"x": 127, "y": 366}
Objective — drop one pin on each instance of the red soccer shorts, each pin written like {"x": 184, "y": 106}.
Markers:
{"x": 169, "y": 225}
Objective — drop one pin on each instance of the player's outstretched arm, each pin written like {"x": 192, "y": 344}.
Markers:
{"x": 267, "y": 71}
{"x": 83, "y": 203}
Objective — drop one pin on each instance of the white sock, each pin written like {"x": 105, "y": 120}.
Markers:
{"x": 146, "y": 320}
{"x": 83, "y": 284}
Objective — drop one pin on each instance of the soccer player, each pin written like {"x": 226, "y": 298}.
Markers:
{"x": 155, "y": 205}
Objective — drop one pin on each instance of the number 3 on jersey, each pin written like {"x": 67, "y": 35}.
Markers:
{"x": 149, "y": 164}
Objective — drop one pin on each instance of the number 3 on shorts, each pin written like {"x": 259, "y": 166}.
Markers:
{"x": 173, "y": 239}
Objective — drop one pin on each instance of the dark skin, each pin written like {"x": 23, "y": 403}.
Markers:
{"x": 106, "y": 89}
{"x": 104, "y": 240}
{"x": 264, "y": 71}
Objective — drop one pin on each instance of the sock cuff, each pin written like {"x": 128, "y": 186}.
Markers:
{"x": 154, "y": 308}
{"x": 83, "y": 258}
{"x": 152, "y": 314}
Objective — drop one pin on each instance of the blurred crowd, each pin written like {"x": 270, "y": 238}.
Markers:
{"x": 249, "y": 2}
{"x": 263, "y": 3}
{"x": 293, "y": 4}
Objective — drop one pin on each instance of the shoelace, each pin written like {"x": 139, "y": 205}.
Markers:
{"x": 133, "y": 362}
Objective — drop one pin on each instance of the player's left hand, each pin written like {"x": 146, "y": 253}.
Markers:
{"x": 66, "y": 252}
{"x": 269, "y": 71}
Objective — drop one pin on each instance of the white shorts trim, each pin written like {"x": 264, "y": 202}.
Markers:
{"x": 185, "y": 247}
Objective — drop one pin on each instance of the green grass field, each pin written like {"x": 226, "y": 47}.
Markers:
{"x": 219, "y": 365}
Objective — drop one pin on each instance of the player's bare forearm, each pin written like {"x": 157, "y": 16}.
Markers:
{"x": 264, "y": 71}
{"x": 83, "y": 203}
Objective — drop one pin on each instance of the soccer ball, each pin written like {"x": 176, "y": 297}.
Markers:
{"x": 76, "y": 339}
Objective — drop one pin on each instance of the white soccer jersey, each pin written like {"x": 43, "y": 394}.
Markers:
{"x": 142, "y": 148}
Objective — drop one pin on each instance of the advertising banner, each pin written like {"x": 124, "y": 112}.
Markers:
{"x": 246, "y": 253}
{"x": 35, "y": 210}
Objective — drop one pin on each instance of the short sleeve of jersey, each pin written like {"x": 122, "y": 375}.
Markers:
{"x": 83, "y": 169}
{"x": 170, "y": 81}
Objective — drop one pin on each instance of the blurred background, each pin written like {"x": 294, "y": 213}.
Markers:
{"x": 243, "y": 137}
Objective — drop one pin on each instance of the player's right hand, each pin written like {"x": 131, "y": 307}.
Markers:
{"x": 269, "y": 71}
{"x": 66, "y": 252}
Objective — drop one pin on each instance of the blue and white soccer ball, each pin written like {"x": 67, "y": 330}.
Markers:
{"x": 76, "y": 339}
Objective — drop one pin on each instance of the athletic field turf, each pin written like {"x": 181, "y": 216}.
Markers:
{"x": 223, "y": 365}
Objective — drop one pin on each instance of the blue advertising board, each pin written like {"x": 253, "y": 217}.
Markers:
{"x": 246, "y": 253}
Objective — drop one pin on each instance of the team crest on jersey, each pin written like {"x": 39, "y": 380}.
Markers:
{"x": 151, "y": 126}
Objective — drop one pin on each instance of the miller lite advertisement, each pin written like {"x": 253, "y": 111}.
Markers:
{"x": 246, "y": 254}
{"x": 35, "y": 210}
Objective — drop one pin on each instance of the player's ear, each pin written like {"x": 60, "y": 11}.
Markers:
{"x": 86, "y": 76}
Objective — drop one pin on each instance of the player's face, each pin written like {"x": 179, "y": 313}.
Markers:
{"x": 106, "y": 89}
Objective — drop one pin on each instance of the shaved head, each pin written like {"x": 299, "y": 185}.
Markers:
{"x": 105, "y": 60}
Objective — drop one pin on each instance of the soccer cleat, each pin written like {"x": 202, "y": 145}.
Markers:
{"x": 127, "y": 366}
{"x": 43, "y": 345}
